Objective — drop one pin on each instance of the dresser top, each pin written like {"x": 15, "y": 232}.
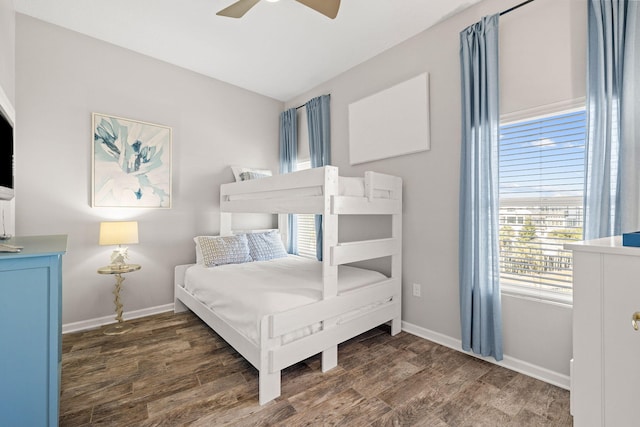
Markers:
{"x": 36, "y": 246}
{"x": 606, "y": 245}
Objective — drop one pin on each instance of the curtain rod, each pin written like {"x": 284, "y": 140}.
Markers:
{"x": 515, "y": 7}
{"x": 300, "y": 106}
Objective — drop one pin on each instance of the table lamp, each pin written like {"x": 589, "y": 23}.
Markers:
{"x": 119, "y": 233}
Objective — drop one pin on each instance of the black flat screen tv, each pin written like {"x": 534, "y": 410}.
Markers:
{"x": 6, "y": 158}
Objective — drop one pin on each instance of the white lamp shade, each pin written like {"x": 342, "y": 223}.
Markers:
{"x": 118, "y": 233}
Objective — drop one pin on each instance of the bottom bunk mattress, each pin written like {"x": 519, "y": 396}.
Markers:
{"x": 242, "y": 294}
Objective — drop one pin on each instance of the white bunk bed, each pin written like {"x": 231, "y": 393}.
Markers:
{"x": 313, "y": 191}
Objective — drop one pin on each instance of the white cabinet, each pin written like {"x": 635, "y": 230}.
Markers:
{"x": 606, "y": 349}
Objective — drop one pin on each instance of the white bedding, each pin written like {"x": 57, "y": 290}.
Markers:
{"x": 241, "y": 294}
{"x": 348, "y": 186}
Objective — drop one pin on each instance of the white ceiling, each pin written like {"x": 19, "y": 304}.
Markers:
{"x": 280, "y": 50}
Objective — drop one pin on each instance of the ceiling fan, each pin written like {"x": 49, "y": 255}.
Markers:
{"x": 328, "y": 8}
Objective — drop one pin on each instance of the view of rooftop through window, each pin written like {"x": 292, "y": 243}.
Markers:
{"x": 541, "y": 199}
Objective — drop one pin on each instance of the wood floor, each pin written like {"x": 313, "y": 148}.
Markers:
{"x": 172, "y": 370}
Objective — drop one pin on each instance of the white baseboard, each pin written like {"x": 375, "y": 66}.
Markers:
{"x": 100, "y": 321}
{"x": 526, "y": 368}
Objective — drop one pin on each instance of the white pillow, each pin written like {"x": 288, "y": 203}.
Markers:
{"x": 243, "y": 174}
{"x": 198, "y": 250}
{"x": 266, "y": 246}
{"x": 220, "y": 250}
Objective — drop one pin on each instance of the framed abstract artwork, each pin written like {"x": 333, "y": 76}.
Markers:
{"x": 390, "y": 123}
{"x": 131, "y": 163}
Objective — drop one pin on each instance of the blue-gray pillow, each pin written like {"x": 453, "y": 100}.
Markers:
{"x": 220, "y": 250}
{"x": 266, "y": 246}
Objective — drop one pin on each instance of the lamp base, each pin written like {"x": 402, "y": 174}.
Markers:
{"x": 119, "y": 257}
{"x": 118, "y": 329}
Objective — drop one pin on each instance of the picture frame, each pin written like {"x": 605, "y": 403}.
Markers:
{"x": 391, "y": 123}
{"x": 131, "y": 163}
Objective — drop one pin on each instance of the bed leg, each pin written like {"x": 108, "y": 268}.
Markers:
{"x": 269, "y": 386}
{"x": 179, "y": 307}
{"x": 330, "y": 358}
{"x": 396, "y": 326}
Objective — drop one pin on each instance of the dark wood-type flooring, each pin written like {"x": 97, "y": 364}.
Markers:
{"x": 173, "y": 370}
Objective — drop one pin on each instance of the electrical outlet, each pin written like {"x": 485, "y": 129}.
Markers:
{"x": 416, "y": 290}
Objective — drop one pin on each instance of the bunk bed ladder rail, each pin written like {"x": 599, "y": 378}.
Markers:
{"x": 348, "y": 252}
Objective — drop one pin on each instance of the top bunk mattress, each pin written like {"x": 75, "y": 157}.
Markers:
{"x": 241, "y": 294}
{"x": 348, "y": 186}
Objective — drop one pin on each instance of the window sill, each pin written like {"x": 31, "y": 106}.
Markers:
{"x": 537, "y": 295}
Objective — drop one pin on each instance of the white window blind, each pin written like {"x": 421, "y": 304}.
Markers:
{"x": 306, "y": 227}
{"x": 541, "y": 201}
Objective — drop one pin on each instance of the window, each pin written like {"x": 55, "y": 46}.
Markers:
{"x": 541, "y": 202}
{"x": 306, "y": 226}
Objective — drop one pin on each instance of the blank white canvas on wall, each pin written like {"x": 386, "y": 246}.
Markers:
{"x": 390, "y": 123}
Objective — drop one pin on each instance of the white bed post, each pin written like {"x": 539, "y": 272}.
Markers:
{"x": 329, "y": 270}
{"x": 178, "y": 279}
{"x": 283, "y": 228}
{"x": 225, "y": 217}
{"x": 225, "y": 223}
{"x": 268, "y": 380}
{"x": 396, "y": 260}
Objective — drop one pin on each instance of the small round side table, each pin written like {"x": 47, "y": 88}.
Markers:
{"x": 120, "y": 327}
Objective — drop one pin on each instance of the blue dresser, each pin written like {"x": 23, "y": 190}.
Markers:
{"x": 30, "y": 331}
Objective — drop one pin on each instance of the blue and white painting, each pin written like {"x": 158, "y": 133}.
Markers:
{"x": 131, "y": 163}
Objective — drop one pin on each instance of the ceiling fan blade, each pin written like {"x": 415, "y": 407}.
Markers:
{"x": 328, "y": 8}
{"x": 238, "y": 9}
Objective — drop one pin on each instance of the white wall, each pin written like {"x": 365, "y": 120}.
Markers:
{"x": 62, "y": 77}
{"x": 535, "y": 333}
{"x": 7, "y": 48}
{"x": 7, "y": 83}
{"x": 542, "y": 54}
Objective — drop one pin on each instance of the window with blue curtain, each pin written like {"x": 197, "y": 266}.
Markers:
{"x": 541, "y": 202}
{"x": 306, "y": 226}
{"x": 319, "y": 122}
{"x": 288, "y": 161}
